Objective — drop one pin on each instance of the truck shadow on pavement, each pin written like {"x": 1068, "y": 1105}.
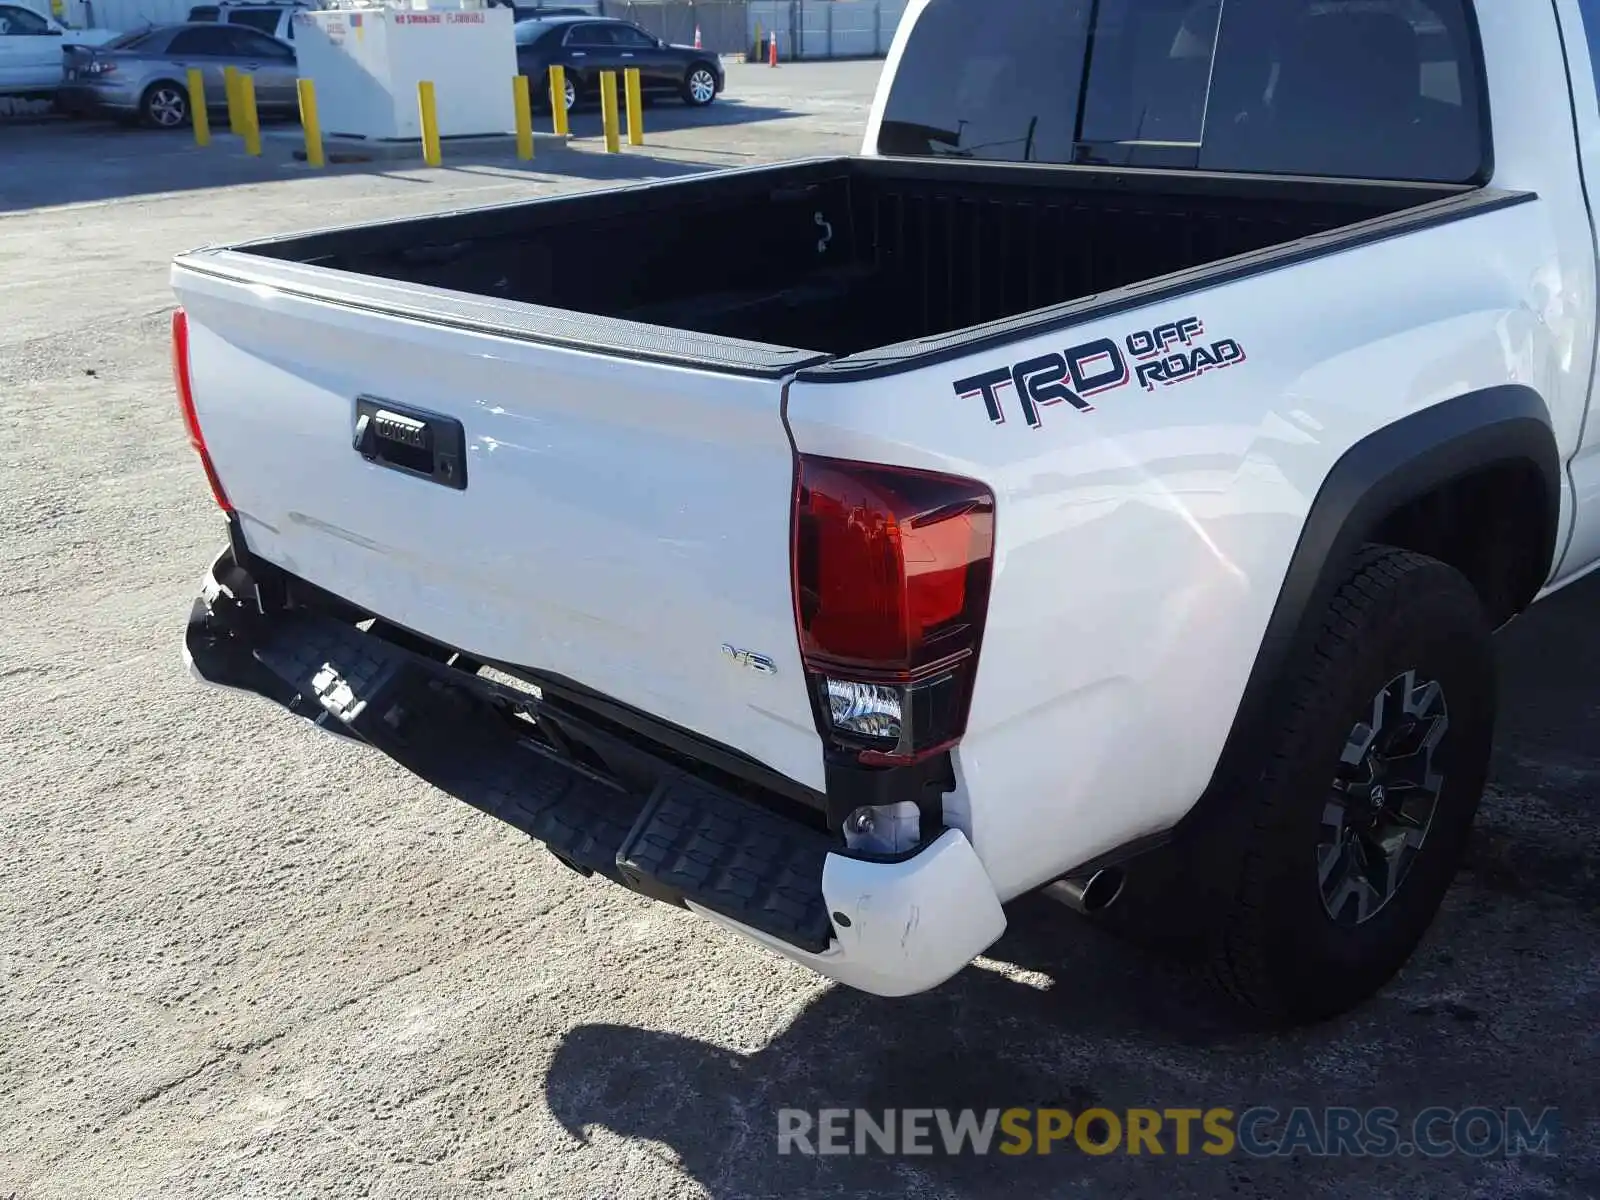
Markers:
{"x": 1496, "y": 1010}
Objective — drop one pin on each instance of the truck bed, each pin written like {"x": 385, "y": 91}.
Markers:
{"x": 844, "y": 257}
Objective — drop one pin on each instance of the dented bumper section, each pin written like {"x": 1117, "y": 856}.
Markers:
{"x": 889, "y": 926}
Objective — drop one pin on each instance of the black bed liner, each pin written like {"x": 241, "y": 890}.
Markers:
{"x": 837, "y": 268}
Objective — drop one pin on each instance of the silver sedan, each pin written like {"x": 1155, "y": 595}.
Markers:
{"x": 143, "y": 76}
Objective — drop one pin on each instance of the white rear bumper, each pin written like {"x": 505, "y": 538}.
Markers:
{"x": 906, "y": 926}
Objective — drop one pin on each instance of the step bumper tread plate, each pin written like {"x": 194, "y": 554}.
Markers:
{"x": 686, "y": 841}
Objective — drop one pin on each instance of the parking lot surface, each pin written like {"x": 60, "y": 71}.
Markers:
{"x": 238, "y": 959}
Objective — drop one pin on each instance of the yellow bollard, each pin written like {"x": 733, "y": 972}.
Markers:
{"x": 197, "y": 108}
{"x": 248, "y": 118}
{"x": 430, "y": 124}
{"x": 309, "y": 122}
{"x": 230, "y": 89}
{"x": 608, "y": 111}
{"x": 558, "y": 101}
{"x": 635, "y": 107}
{"x": 524, "y": 106}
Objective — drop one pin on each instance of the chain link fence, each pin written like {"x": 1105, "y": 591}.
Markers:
{"x": 723, "y": 24}
{"x": 825, "y": 28}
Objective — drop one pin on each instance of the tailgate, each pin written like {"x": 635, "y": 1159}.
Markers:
{"x": 620, "y": 523}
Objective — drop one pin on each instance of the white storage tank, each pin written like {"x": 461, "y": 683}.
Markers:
{"x": 366, "y": 63}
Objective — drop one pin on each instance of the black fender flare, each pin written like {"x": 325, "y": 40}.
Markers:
{"x": 1401, "y": 462}
{"x": 1373, "y": 478}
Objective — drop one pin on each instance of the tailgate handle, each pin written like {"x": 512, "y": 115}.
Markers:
{"x": 410, "y": 440}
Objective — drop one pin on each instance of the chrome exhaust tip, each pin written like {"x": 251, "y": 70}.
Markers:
{"x": 1088, "y": 894}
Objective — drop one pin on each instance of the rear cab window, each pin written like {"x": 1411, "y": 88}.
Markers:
{"x": 1369, "y": 89}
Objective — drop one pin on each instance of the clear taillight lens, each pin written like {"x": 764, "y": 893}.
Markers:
{"x": 869, "y": 710}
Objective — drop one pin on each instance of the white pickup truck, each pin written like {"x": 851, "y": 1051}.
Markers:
{"x": 1108, "y": 482}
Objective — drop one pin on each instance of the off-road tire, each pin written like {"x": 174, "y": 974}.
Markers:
{"x": 1271, "y": 943}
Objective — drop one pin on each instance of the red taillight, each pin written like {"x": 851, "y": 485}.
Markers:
{"x": 891, "y": 588}
{"x": 191, "y": 420}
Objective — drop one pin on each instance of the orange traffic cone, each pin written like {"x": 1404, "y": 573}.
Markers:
{"x": 697, "y": 44}
{"x": 772, "y": 50}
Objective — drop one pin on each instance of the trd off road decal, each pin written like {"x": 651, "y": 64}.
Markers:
{"x": 1162, "y": 356}
{"x": 1170, "y": 354}
{"x": 1093, "y": 368}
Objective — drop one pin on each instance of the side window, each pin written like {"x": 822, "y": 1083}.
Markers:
{"x": 591, "y": 35}
{"x": 633, "y": 39}
{"x": 264, "y": 19}
{"x": 206, "y": 42}
{"x": 21, "y": 22}
{"x": 256, "y": 45}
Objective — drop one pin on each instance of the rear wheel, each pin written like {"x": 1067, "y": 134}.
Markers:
{"x": 700, "y": 86}
{"x": 1320, "y": 878}
{"x": 541, "y": 94}
{"x": 164, "y": 105}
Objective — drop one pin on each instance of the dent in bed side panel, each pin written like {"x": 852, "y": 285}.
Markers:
{"x": 1536, "y": 149}
{"x": 1141, "y": 546}
{"x": 1584, "y": 548}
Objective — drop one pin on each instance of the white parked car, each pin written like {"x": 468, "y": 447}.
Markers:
{"x": 31, "y": 49}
